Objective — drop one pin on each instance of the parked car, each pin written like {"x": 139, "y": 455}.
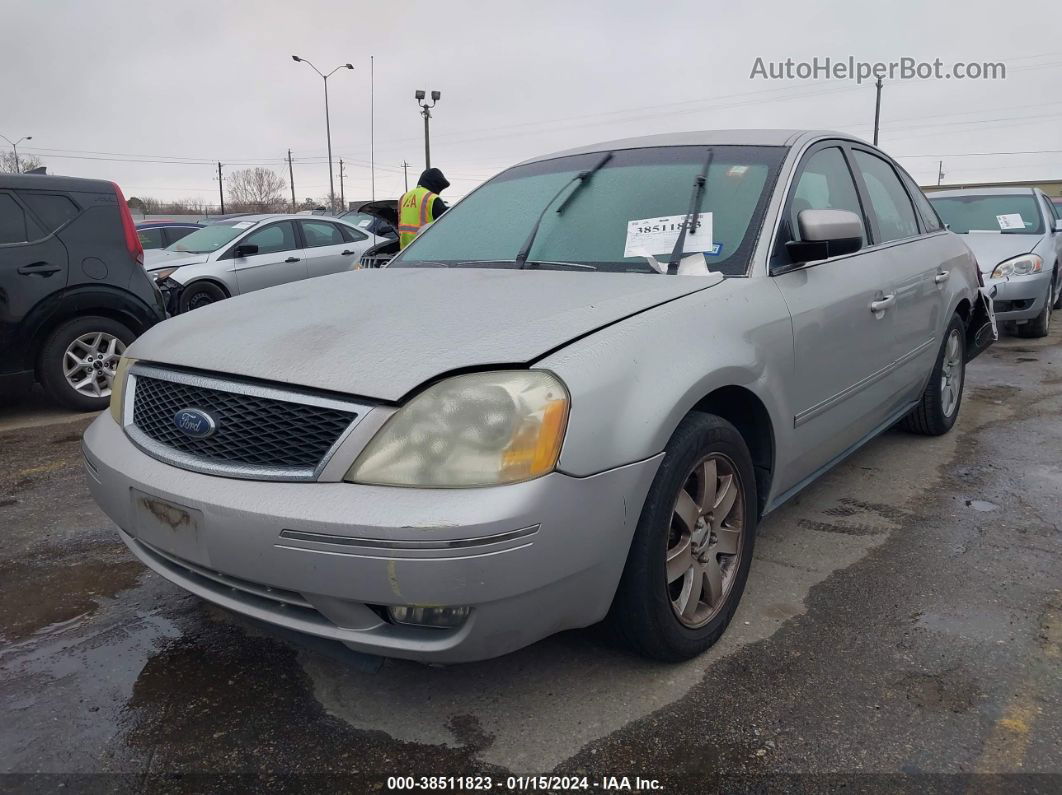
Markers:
{"x": 1016, "y": 235}
{"x": 159, "y": 234}
{"x": 554, "y": 405}
{"x": 249, "y": 252}
{"x": 73, "y": 293}
{"x": 376, "y": 217}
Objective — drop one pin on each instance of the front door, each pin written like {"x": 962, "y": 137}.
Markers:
{"x": 279, "y": 259}
{"x": 842, "y": 322}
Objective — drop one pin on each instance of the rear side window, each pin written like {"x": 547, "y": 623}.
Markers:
{"x": 321, "y": 233}
{"x": 825, "y": 184}
{"x": 930, "y": 219}
{"x": 888, "y": 199}
{"x": 52, "y": 209}
{"x": 150, "y": 238}
{"x": 12, "y": 221}
{"x": 174, "y": 233}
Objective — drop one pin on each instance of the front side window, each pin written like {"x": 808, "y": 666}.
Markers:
{"x": 321, "y": 233}
{"x": 1009, "y": 213}
{"x": 825, "y": 183}
{"x": 888, "y": 200}
{"x": 272, "y": 239}
{"x": 594, "y": 230}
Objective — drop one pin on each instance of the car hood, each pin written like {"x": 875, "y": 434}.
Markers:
{"x": 992, "y": 248}
{"x": 382, "y": 333}
{"x": 155, "y": 259}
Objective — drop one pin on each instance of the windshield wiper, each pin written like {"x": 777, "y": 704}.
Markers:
{"x": 582, "y": 266}
{"x": 581, "y": 178}
{"x": 691, "y": 215}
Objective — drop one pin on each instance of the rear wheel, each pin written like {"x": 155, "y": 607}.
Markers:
{"x": 938, "y": 409}
{"x": 199, "y": 294}
{"x": 691, "y": 552}
{"x": 77, "y": 363}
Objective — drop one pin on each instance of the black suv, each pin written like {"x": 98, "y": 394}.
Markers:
{"x": 73, "y": 290}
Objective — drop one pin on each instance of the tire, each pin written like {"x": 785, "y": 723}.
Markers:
{"x": 97, "y": 343}
{"x": 1057, "y": 305}
{"x": 935, "y": 414}
{"x": 646, "y": 610}
{"x": 1040, "y": 325}
{"x": 199, "y": 294}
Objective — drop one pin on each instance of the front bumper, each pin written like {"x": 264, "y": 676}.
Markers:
{"x": 1020, "y": 298}
{"x": 531, "y": 559}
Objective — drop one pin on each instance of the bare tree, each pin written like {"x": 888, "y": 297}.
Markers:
{"x": 257, "y": 190}
{"x": 25, "y": 162}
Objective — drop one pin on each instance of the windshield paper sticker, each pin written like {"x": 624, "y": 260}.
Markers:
{"x": 1010, "y": 221}
{"x": 243, "y": 225}
{"x": 658, "y": 235}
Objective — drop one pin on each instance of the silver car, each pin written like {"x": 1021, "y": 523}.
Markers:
{"x": 1016, "y": 235}
{"x": 249, "y": 252}
{"x": 573, "y": 397}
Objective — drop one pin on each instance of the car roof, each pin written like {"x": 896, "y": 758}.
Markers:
{"x": 55, "y": 183}
{"x": 149, "y": 224}
{"x": 736, "y": 137}
{"x": 982, "y": 192}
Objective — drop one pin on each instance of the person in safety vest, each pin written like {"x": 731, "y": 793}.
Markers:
{"x": 420, "y": 206}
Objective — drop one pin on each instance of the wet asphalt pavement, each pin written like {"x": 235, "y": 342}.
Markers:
{"x": 902, "y": 628}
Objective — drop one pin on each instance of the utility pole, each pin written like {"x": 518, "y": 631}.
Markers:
{"x": 221, "y": 190}
{"x": 425, "y": 111}
{"x": 877, "y": 110}
{"x": 372, "y": 129}
{"x": 342, "y": 192}
{"x": 405, "y": 174}
{"x": 940, "y": 171}
{"x": 291, "y": 179}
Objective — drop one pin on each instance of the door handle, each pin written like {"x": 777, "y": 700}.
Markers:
{"x": 347, "y": 253}
{"x": 942, "y": 277}
{"x": 883, "y": 304}
{"x": 39, "y": 269}
{"x": 292, "y": 259}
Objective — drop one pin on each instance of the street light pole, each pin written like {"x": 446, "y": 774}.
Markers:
{"x": 328, "y": 124}
{"x": 425, "y": 111}
{"x": 14, "y": 148}
{"x": 877, "y": 110}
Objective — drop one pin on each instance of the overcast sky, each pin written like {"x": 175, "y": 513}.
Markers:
{"x": 208, "y": 81}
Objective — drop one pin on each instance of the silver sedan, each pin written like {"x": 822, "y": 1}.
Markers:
{"x": 574, "y": 396}
{"x": 246, "y": 253}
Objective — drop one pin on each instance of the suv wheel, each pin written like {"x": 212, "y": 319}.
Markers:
{"x": 691, "y": 552}
{"x": 199, "y": 294}
{"x": 939, "y": 407}
{"x": 77, "y": 363}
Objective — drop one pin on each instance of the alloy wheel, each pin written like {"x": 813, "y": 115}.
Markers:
{"x": 951, "y": 374}
{"x": 705, "y": 541}
{"x": 90, "y": 361}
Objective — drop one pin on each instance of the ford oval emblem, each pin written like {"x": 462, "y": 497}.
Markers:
{"x": 195, "y": 423}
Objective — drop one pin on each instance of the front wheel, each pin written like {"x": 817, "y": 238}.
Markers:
{"x": 692, "y": 549}
{"x": 199, "y": 294}
{"x": 1039, "y": 326}
{"x": 938, "y": 409}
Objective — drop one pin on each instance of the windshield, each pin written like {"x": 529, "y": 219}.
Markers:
{"x": 210, "y": 238}
{"x": 632, "y": 206}
{"x": 1007, "y": 213}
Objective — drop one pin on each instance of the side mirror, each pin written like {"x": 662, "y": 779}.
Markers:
{"x": 246, "y": 250}
{"x": 1058, "y": 224}
{"x": 825, "y": 234}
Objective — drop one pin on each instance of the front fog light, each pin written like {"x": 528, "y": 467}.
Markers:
{"x": 438, "y": 617}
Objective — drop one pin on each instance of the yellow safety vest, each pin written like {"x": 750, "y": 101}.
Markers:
{"x": 414, "y": 211}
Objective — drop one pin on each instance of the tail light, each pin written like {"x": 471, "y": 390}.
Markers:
{"x": 132, "y": 239}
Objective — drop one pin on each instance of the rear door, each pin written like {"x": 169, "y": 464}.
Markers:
{"x": 33, "y": 273}
{"x": 842, "y": 346}
{"x": 279, "y": 259}
{"x": 917, "y": 275}
{"x": 327, "y": 249}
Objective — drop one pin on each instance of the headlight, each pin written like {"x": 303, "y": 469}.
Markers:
{"x": 121, "y": 375}
{"x": 1018, "y": 266}
{"x": 164, "y": 274}
{"x": 480, "y": 429}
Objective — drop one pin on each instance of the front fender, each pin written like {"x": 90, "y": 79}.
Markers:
{"x": 633, "y": 382}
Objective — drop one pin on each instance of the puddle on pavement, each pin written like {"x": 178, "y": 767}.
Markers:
{"x": 982, "y": 505}
{"x": 41, "y": 592}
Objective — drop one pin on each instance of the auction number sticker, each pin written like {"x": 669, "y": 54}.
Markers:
{"x": 1010, "y": 221}
{"x": 658, "y": 235}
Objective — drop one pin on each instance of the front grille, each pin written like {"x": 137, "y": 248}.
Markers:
{"x": 253, "y": 431}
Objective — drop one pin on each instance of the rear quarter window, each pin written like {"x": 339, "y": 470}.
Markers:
{"x": 52, "y": 209}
